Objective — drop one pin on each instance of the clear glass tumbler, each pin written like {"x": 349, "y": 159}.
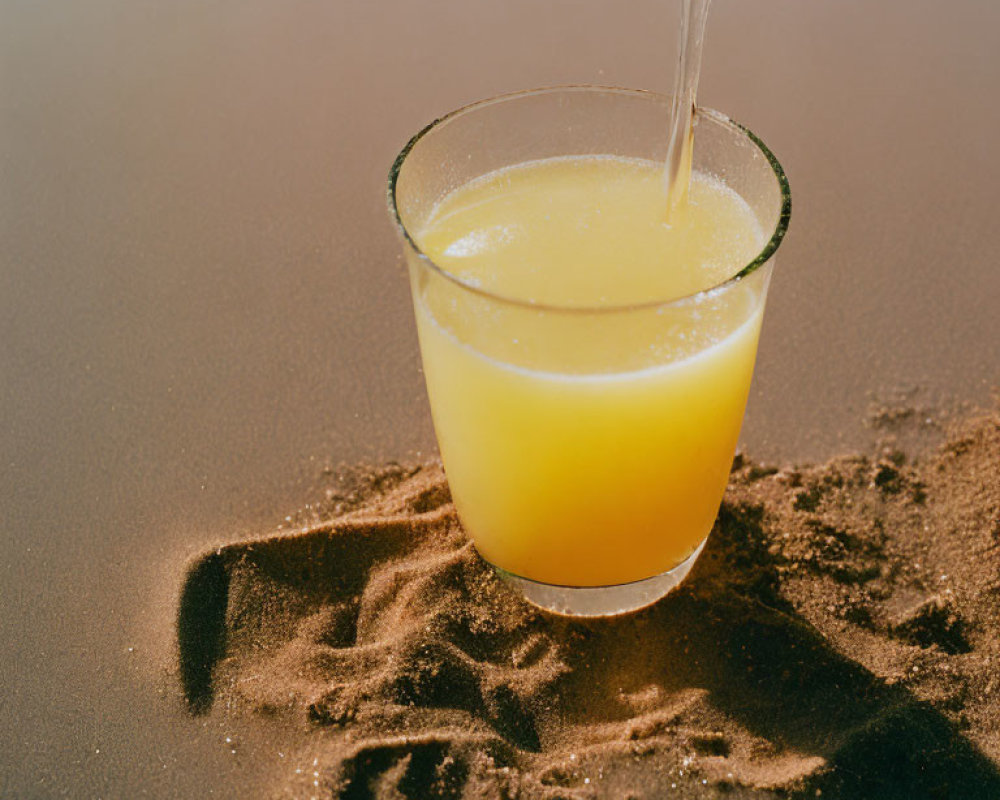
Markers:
{"x": 587, "y": 448}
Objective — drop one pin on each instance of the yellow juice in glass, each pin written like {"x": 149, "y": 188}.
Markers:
{"x": 586, "y": 424}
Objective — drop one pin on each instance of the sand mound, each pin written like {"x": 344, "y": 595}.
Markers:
{"x": 838, "y": 637}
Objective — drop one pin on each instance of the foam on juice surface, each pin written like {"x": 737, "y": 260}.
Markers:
{"x": 589, "y": 231}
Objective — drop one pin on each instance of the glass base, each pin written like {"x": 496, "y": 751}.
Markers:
{"x": 601, "y": 601}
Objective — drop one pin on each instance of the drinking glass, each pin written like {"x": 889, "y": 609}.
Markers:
{"x": 587, "y": 448}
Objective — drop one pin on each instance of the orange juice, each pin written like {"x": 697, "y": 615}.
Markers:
{"x": 587, "y": 422}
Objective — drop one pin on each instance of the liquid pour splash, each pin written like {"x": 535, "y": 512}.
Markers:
{"x": 694, "y": 15}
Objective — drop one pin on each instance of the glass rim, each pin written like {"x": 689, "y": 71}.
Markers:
{"x": 770, "y": 247}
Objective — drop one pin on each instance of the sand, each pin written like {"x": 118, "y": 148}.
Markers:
{"x": 838, "y": 638}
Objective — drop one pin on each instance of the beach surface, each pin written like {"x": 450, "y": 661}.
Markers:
{"x": 203, "y": 307}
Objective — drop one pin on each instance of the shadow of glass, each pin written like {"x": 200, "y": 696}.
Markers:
{"x": 729, "y": 632}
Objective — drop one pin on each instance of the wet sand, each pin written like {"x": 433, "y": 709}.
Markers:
{"x": 202, "y": 304}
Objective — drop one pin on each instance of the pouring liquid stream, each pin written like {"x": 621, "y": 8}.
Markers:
{"x": 694, "y": 15}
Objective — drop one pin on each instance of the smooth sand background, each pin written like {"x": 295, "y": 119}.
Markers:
{"x": 201, "y": 301}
